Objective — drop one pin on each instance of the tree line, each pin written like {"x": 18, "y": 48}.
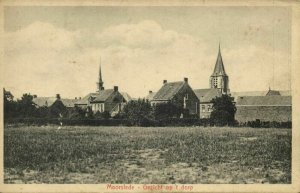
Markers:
{"x": 137, "y": 112}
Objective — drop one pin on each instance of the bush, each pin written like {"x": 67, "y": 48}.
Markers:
{"x": 137, "y": 112}
{"x": 102, "y": 115}
{"x": 167, "y": 110}
{"x": 267, "y": 124}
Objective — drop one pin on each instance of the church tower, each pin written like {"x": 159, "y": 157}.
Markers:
{"x": 219, "y": 78}
{"x": 100, "y": 82}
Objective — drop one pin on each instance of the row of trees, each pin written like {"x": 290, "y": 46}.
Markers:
{"x": 137, "y": 112}
{"x": 22, "y": 108}
{"x": 140, "y": 111}
{"x": 26, "y": 108}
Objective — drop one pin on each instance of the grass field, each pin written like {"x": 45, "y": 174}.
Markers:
{"x": 147, "y": 155}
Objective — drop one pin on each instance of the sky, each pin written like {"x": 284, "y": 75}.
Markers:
{"x": 50, "y": 50}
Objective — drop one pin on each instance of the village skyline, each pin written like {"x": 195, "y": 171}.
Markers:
{"x": 53, "y": 50}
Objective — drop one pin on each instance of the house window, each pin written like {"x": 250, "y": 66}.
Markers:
{"x": 103, "y": 109}
{"x": 186, "y": 96}
{"x": 209, "y": 108}
{"x": 203, "y": 108}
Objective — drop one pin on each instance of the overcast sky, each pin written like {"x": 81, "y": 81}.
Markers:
{"x": 51, "y": 50}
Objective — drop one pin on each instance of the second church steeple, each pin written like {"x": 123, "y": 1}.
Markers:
{"x": 219, "y": 78}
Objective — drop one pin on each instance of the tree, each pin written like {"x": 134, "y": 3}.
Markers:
{"x": 10, "y": 106}
{"x": 167, "y": 110}
{"x": 7, "y": 95}
{"x": 57, "y": 109}
{"x": 223, "y": 110}
{"x": 42, "y": 112}
{"x": 25, "y": 106}
{"x": 138, "y": 112}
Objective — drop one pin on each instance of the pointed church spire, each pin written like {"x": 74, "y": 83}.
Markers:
{"x": 219, "y": 67}
{"x": 219, "y": 78}
{"x": 100, "y": 82}
{"x": 100, "y": 74}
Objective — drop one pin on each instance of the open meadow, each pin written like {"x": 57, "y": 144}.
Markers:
{"x": 202, "y": 155}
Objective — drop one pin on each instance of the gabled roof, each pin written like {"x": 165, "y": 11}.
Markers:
{"x": 103, "y": 95}
{"x": 248, "y": 93}
{"x": 168, "y": 90}
{"x": 69, "y": 102}
{"x": 219, "y": 67}
{"x": 206, "y": 95}
{"x": 44, "y": 101}
{"x": 274, "y": 100}
{"x": 85, "y": 100}
{"x": 48, "y": 101}
{"x": 150, "y": 96}
{"x": 126, "y": 96}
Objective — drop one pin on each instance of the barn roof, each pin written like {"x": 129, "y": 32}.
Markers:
{"x": 275, "y": 100}
{"x": 262, "y": 93}
{"x": 206, "y": 95}
{"x": 168, "y": 90}
{"x": 44, "y": 101}
{"x": 48, "y": 101}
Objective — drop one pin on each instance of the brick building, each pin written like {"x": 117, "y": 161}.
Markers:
{"x": 179, "y": 93}
{"x": 206, "y": 96}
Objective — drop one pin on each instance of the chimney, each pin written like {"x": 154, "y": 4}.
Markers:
{"x": 165, "y": 81}
{"x": 186, "y": 80}
{"x": 75, "y": 98}
{"x": 150, "y": 91}
{"x": 115, "y": 88}
{"x": 57, "y": 96}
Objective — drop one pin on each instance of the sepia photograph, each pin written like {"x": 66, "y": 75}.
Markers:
{"x": 148, "y": 98}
